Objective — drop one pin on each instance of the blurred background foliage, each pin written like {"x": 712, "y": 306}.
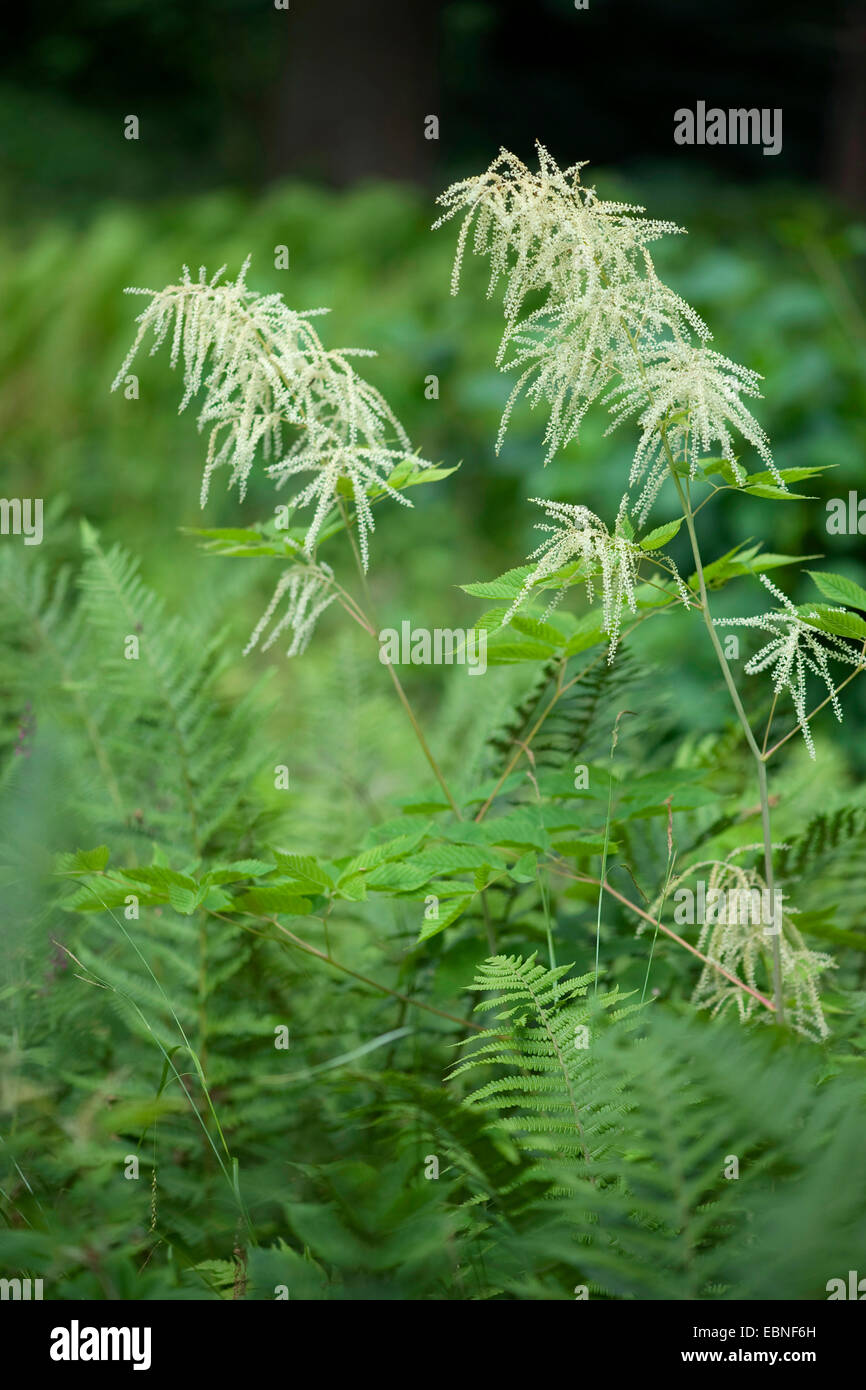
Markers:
{"x": 256, "y": 136}
{"x": 239, "y": 100}
{"x": 778, "y": 274}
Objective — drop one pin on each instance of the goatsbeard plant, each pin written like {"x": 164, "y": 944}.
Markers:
{"x": 604, "y": 330}
{"x": 608, "y": 331}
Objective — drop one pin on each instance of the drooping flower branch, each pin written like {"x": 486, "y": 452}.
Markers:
{"x": 271, "y": 388}
{"x": 795, "y": 648}
{"x": 608, "y": 328}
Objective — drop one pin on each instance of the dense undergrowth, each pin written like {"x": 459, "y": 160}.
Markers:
{"x": 247, "y": 919}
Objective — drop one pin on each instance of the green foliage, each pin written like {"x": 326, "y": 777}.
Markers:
{"x": 552, "y": 1095}
{"x": 257, "y": 991}
{"x": 637, "y": 1128}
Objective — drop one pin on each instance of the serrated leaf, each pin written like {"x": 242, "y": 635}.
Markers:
{"x": 744, "y": 560}
{"x": 404, "y": 477}
{"x": 397, "y": 847}
{"x": 305, "y": 869}
{"x": 508, "y": 585}
{"x": 535, "y": 629}
{"x": 587, "y": 634}
{"x": 526, "y": 868}
{"x": 234, "y": 534}
{"x": 183, "y": 900}
{"x": 216, "y": 899}
{"x": 455, "y": 909}
{"x": 235, "y": 542}
{"x": 491, "y": 621}
{"x": 826, "y": 619}
{"x": 838, "y": 588}
{"x": 777, "y": 494}
{"x": 353, "y": 888}
{"x": 158, "y": 876}
{"x": 661, "y": 535}
{"x": 770, "y": 560}
{"x": 790, "y": 475}
{"x": 454, "y": 859}
{"x": 240, "y": 869}
{"x": 276, "y": 898}
{"x": 521, "y": 826}
{"x": 507, "y": 653}
{"x": 401, "y": 473}
{"x": 722, "y": 468}
{"x": 104, "y": 896}
{"x": 397, "y": 877}
{"x": 85, "y": 861}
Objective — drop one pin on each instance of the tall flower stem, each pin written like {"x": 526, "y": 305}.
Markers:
{"x": 398, "y": 685}
{"x": 759, "y": 757}
{"x": 757, "y": 754}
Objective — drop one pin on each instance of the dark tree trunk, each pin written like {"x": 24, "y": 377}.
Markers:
{"x": 357, "y": 84}
{"x": 846, "y": 153}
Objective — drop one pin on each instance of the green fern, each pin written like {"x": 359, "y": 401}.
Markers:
{"x": 636, "y": 1135}
{"x": 572, "y": 725}
{"x": 544, "y": 1039}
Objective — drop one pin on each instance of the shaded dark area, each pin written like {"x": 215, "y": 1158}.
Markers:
{"x": 241, "y": 91}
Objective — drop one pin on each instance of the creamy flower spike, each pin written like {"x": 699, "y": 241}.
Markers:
{"x": 735, "y": 936}
{"x": 310, "y": 591}
{"x": 608, "y": 330}
{"x": 577, "y": 533}
{"x": 795, "y": 648}
{"x": 264, "y": 373}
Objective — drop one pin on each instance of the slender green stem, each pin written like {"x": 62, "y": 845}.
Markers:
{"x": 613, "y": 742}
{"x": 776, "y": 746}
{"x": 759, "y": 757}
{"x": 568, "y": 872}
{"x": 603, "y": 867}
{"x": 368, "y": 622}
{"x": 202, "y": 990}
{"x": 769, "y": 723}
{"x": 670, "y": 868}
{"x": 425, "y": 747}
{"x": 90, "y": 977}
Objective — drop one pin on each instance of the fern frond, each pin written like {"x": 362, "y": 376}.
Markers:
{"x": 544, "y": 1040}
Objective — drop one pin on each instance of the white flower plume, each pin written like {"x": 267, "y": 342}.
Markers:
{"x": 264, "y": 373}
{"x": 608, "y": 327}
{"x": 795, "y": 648}
{"x": 577, "y": 533}
{"x": 686, "y": 398}
{"x": 310, "y": 590}
{"x": 545, "y": 230}
{"x": 734, "y": 934}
